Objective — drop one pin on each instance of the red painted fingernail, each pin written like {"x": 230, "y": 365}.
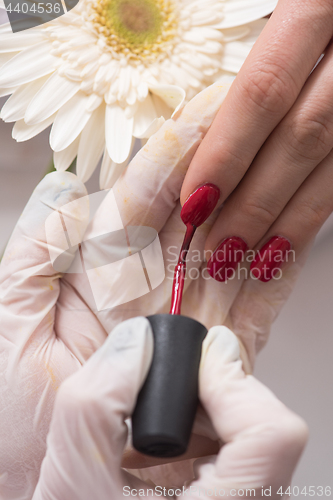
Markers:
{"x": 270, "y": 258}
{"x": 226, "y": 258}
{"x": 200, "y": 204}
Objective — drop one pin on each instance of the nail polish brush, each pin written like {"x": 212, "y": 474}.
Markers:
{"x": 165, "y": 410}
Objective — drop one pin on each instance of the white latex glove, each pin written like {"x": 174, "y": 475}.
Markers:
{"x": 48, "y": 323}
{"x": 263, "y": 439}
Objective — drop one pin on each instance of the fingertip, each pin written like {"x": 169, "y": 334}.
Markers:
{"x": 62, "y": 182}
{"x": 220, "y": 364}
{"x": 133, "y": 335}
{"x": 131, "y": 332}
{"x": 204, "y": 466}
{"x": 293, "y": 432}
{"x": 221, "y": 341}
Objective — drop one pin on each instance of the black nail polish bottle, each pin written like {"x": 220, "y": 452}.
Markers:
{"x": 164, "y": 414}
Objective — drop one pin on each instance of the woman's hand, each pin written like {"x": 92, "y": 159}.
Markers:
{"x": 262, "y": 439}
{"x": 269, "y": 149}
{"x": 50, "y": 325}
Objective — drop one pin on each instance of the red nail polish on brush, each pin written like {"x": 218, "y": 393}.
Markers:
{"x": 200, "y": 204}
{"x": 166, "y": 406}
{"x": 270, "y": 258}
{"x": 197, "y": 208}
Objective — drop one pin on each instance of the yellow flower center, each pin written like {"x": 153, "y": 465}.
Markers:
{"x": 139, "y": 29}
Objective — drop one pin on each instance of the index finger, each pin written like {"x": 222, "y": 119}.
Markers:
{"x": 149, "y": 189}
{"x": 263, "y": 92}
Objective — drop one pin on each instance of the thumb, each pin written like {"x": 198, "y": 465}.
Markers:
{"x": 29, "y": 285}
{"x": 263, "y": 439}
{"x": 88, "y": 431}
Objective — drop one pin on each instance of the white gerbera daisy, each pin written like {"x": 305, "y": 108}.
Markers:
{"x": 110, "y": 71}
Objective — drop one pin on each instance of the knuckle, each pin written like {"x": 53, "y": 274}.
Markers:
{"x": 270, "y": 87}
{"x": 290, "y": 433}
{"x": 313, "y": 212}
{"x": 310, "y": 137}
{"x": 260, "y": 213}
{"x": 235, "y": 160}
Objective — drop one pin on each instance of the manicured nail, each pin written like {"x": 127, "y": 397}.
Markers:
{"x": 225, "y": 259}
{"x": 200, "y": 204}
{"x": 270, "y": 258}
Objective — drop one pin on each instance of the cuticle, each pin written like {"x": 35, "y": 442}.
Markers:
{"x": 201, "y": 185}
{"x": 277, "y": 236}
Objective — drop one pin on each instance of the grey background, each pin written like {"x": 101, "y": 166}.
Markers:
{"x": 297, "y": 362}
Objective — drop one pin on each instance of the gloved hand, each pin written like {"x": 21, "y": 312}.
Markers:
{"x": 49, "y": 322}
{"x": 262, "y": 439}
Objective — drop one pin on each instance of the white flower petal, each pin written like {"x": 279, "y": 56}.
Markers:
{"x": 118, "y": 132}
{"x": 144, "y": 116}
{"x": 111, "y": 171}
{"x": 51, "y": 97}
{"x": 200, "y": 35}
{"x": 16, "y": 106}
{"x": 89, "y": 54}
{"x": 239, "y": 12}
{"x": 172, "y": 95}
{"x": 162, "y": 109}
{"x": 204, "y": 18}
{"x": 23, "y": 132}
{"x": 6, "y": 27}
{"x": 131, "y": 110}
{"x": 63, "y": 159}
{"x": 209, "y": 47}
{"x": 142, "y": 91}
{"x": 232, "y": 34}
{"x": 153, "y": 128}
{"x": 32, "y": 63}
{"x": 20, "y": 41}
{"x": 124, "y": 82}
{"x": 234, "y": 56}
{"x": 4, "y": 58}
{"x": 93, "y": 102}
{"x": 255, "y": 29}
{"x": 4, "y": 91}
{"x": 69, "y": 122}
{"x": 92, "y": 144}
{"x": 193, "y": 72}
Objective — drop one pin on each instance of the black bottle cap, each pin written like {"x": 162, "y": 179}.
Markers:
{"x": 165, "y": 410}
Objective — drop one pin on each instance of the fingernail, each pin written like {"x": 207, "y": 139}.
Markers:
{"x": 226, "y": 258}
{"x": 200, "y": 204}
{"x": 270, "y": 258}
